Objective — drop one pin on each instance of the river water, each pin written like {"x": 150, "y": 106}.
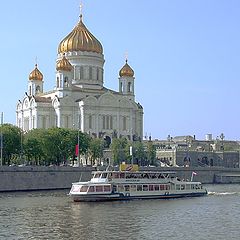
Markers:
{"x": 52, "y": 215}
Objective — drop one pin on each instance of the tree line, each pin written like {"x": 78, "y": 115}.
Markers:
{"x": 56, "y": 146}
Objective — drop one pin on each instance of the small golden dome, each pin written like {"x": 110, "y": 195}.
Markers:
{"x": 36, "y": 74}
{"x": 80, "y": 39}
{"x": 63, "y": 65}
{"x": 126, "y": 71}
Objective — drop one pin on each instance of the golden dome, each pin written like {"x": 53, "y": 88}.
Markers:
{"x": 80, "y": 39}
{"x": 63, "y": 64}
{"x": 126, "y": 71}
{"x": 36, "y": 74}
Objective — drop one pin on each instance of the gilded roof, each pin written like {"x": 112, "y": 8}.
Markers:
{"x": 36, "y": 74}
{"x": 63, "y": 64}
{"x": 126, "y": 71}
{"x": 80, "y": 39}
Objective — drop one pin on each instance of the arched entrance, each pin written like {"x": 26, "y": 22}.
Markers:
{"x": 107, "y": 141}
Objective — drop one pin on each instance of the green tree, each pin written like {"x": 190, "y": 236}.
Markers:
{"x": 151, "y": 153}
{"x": 96, "y": 150}
{"x": 139, "y": 154}
{"x": 11, "y": 142}
{"x": 34, "y": 146}
{"x": 59, "y": 144}
{"x": 119, "y": 147}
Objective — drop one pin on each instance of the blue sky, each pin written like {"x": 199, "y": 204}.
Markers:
{"x": 185, "y": 54}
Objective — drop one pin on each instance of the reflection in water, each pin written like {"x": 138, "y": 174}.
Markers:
{"x": 52, "y": 215}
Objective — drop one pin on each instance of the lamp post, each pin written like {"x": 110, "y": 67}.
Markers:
{"x": 131, "y": 154}
{"x": 1, "y": 138}
{"x": 78, "y": 155}
{"x": 21, "y": 154}
{"x": 222, "y": 146}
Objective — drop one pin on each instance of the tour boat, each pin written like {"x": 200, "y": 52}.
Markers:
{"x": 129, "y": 185}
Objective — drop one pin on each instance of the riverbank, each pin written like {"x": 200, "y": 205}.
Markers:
{"x": 30, "y": 178}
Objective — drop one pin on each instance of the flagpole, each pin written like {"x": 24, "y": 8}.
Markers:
{"x": 192, "y": 177}
{"x": 193, "y": 173}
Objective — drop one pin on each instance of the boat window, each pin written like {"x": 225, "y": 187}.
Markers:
{"x": 120, "y": 188}
{"x": 99, "y": 188}
{"x": 138, "y": 175}
{"x": 122, "y": 175}
{"x": 197, "y": 186}
{"x": 97, "y": 175}
{"x": 150, "y": 187}
{"x": 115, "y": 175}
{"x": 145, "y": 175}
{"x": 145, "y": 187}
{"x": 106, "y": 188}
{"x": 84, "y": 189}
{"x": 139, "y": 187}
{"x": 192, "y": 186}
{"x": 104, "y": 175}
{"x": 127, "y": 188}
{"x": 75, "y": 188}
{"x": 114, "y": 188}
{"x": 91, "y": 189}
{"x": 162, "y": 187}
{"x": 156, "y": 187}
{"x": 177, "y": 187}
{"x": 133, "y": 188}
{"x": 167, "y": 187}
{"x": 182, "y": 187}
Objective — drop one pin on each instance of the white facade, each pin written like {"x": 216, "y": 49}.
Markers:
{"x": 80, "y": 99}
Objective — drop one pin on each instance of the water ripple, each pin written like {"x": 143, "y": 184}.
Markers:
{"x": 52, "y": 215}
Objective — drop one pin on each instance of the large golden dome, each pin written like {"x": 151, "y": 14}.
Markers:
{"x": 63, "y": 64}
{"x": 126, "y": 71}
{"x": 80, "y": 39}
{"x": 36, "y": 74}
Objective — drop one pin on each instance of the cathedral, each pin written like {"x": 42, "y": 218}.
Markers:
{"x": 79, "y": 99}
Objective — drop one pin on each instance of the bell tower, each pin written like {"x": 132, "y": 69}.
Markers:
{"x": 126, "y": 80}
{"x": 35, "y": 84}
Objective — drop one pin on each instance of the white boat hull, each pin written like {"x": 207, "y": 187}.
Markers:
{"x": 128, "y": 196}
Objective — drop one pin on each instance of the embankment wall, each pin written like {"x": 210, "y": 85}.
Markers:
{"x": 41, "y": 178}
{"x": 51, "y": 178}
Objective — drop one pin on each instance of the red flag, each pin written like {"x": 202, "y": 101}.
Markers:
{"x": 76, "y": 150}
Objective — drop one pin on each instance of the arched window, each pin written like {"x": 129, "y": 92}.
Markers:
{"x": 121, "y": 87}
{"x": 129, "y": 87}
{"x": 107, "y": 122}
{"x": 66, "y": 82}
{"x": 58, "y": 82}
{"x": 90, "y": 121}
{"x": 44, "y": 121}
{"x": 104, "y": 122}
{"x": 81, "y": 72}
{"x": 90, "y": 73}
{"x": 38, "y": 89}
{"x": 124, "y": 123}
{"x": 97, "y": 73}
{"x": 30, "y": 90}
{"x": 66, "y": 121}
